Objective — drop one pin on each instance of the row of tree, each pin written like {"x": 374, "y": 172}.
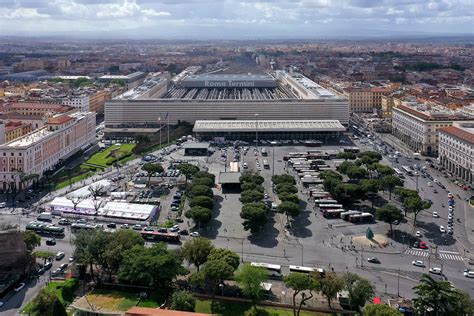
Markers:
{"x": 285, "y": 188}
{"x": 254, "y": 211}
{"x": 201, "y": 197}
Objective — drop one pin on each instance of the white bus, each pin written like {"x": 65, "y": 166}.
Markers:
{"x": 330, "y": 206}
{"x": 306, "y": 269}
{"x": 407, "y": 170}
{"x": 318, "y": 202}
{"x": 398, "y": 172}
{"x": 273, "y": 270}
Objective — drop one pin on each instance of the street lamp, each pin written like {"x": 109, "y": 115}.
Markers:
{"x": 256, "y": 131}
{"x": 273, "y": 157}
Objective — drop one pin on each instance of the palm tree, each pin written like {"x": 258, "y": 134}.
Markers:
{"x": 434, "y": 297}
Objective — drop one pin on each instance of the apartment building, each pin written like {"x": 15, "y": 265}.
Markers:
{"x": 80, "y": 102}
{"x": 39, "y": 109}
{"x": 39, "y": 151}
{"x": 456, "y": 150}
{"x": 97, "y": 100}
{"x": 365, "y": 99}
{"x": 16, "y": 129}
{"x": 388, "y": 102}
{"x": 418, "y": 125}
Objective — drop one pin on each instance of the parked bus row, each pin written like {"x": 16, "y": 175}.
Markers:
{"x": 45, "y": 229}
{"x": 275, "y": 272}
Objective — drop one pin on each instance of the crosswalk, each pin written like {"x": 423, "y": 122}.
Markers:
{"x": 447, "y": 255}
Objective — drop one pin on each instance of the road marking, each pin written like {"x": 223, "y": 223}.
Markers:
{"x": 451, "y": 252}
{"x": 447, "y": 256}
{"x": 451, "y": 257}
{"x": 420, "y": 253}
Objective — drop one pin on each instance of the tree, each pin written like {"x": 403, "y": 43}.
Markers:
{"x": 152, "y": 168}
{"x": 360, "y": 290}
{"x": 389, "y": 213}
{"x": 289, "y": 208}
{"x": 47, "y": 303}
{"x": 225, "y": 254}
{"x": 196, "y": 250}
{"x": 283, "y": 178}
{"x": 75, "y": 200}
{"x": 215, "y": 271}
{"x": 248, "y": 186}
{"x": 96, "y": 190}
{"x": 331, "y": 183}
{"x": 90, "y": 248}
{"x": 254, "y": 215}
{"x": 439, "y": 296}
{"x": 382, "y": 170}
{"x": 202, "y": 201}
{"x": 183, "y": 301}
{"x": 201, "y": 190}
{"x": 330, "y": 285}
{"x": 251, "y": 177}
{"x": 288, "y": 197}
{"x": 250, "y": 196}
{"x": 464, "y": 304}
{"x": 154, "y": 267}
{"x": 199, "y": 214}
{"x": 369, "y": 157}
{"x": 405, "y": 193}
{"x": 204, "y": 174}
{"x": 250, "y": 280}
{"x": 31, "y": 239}
{"x": 370, "y": 185}
{"x": 380, "y": 310}
{"x": 189, "y": 170}
{"x": 346, "y": 156}
{"x": 356, "y": 172}
{"x": 415, "y": 205}
{"x": 286, "y": 187}
{"x": 390, "y": 183}
{"x": 300, "y": 283}
{"x": 208, "y": 182}
{"x": 327, "y": 174}
{"x": 346, "y": 165}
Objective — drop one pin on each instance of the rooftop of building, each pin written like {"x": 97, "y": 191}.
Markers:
{"x": 268, "y": 126}
{"x": 35, "y": 105}
{"x": 463, "y": 133}
{"x": 18, "y": 116}
{"x": 30, "y": 138}
{"x": 253, "y": 77}
{"x": 433, "y": 113}
{"x": 57, "y": 120}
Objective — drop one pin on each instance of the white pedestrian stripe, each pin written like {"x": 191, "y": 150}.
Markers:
{"x": 441, "y": 255}
{"x": 450, "y": 257}
{"x": 419, "y": 253}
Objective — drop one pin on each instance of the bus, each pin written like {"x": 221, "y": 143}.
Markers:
{"x": 77, "y": 227}
{"x": 407, "y": 170}
{"x": 323, "y": 207}
{"x": 398, "y": 173}
{"x": 361, "y": 218}
{"x": 45, "y": 229}
{"x": 266, "y": 165}
{"x": 345, "y": 215}
{"x": 307, "y": 270}
{"x": 333, "y": 213}
{"x": 354, "y": 150}
{"x": 157, "y": 236}
{"x": 324, "y": 201}
{"x": 274, "y": 270}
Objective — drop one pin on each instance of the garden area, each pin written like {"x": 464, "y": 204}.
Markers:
{"x": 111, "y": 155}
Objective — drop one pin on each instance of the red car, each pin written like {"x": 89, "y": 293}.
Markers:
{"x": 423, "y": 245}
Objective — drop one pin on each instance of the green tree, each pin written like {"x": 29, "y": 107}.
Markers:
{"x": 286, "y": 187}
{"x": 152, "y": 168}
{"x": 330, "y": 285}
{"x": 215, "y": 272}
{"x": 82, "y": 82}
{"x": 331, "y": 183}
{"x": 225, "y": 254}
{"x": 250, "y": 279}
{"x": 251, "y": 177}
{"x": 289, "y": 208}
{"x": 389, "y": 213}
{"x": 31, "y": 239}
{"x": 199, "y": 214}
{"x": 356, "y": 173}
{"x": 204, "y": 174}
{"x": 46, "y": 303}
{"x": 300, "y": 283}
{"x": 389, "y": 183}
{"x": 370, "y": 185}
{"x": 208, "y": 182}
{"x": 251, "y": 196}
{"x": 251, "y": 186}
{"x": 183, "y": 301}
{"x": 155, "y": 266}
{"x": 288, "y": 197}
{"x": 439, "y": 296}
{"x": 90, "y": 248}
{"x": 380, "y": 310}
{"x": 415, "y": 205}
{"x": 382, "y": 170}
{"x": 346, "y": 165}
{"x": 369, "y": 157}
{"x": 360, "y": 290}
{"x": 254, "y": 215}
{"x": 189, "y": 170}
{"x": 346, "y": 156}
{"x": 202, "y": 201}
{"x": 405, "y": 193}
{"x": 464, "y": 304}
{"x": 201, "y": 190}
{"x": 196, "y": 250}
{"x": 283, "y": 178}
{"x": 327, "y": 174}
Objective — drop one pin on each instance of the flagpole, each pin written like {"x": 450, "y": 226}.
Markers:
{"x": 159, "y": 120}
{"x": 168, "y": 123}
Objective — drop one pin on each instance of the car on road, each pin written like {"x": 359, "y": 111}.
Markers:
{"x": 64, "y": 221}
{"x": 63, "y": 266}
{"x": 194, "y": 234}
{"x": 418, "y": 263}
{"x": 175, "y": 228}
{"x": 469, "y": 274}
{"x": 112, "y": 225}
{"x": 71, "y": 259}
{"x": 137, "y": 227}
{"x": 19, "y": 287}
{"x": 435, "y": 191}
{"x": 48, "y": 265}
{"x": 442, "y": 229}
{"x": 51, "y": 242}
{"x": 423, "y": 245}
{"x": 265, "y": 196}
{"x": 450, "y": 230}
{"x": 56, "y": 272}
{"x": 373, "y": 260}
{"x": 60, "y": 255}
{"x": 435, "y": 214}
{"x": 418, "y": 234}
{"x": 436, "y": 271}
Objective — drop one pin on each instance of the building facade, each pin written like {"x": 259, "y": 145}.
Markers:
{"x": 456, "y": 150}
{"x": 42, "y": 150}
{"x": 419, "y": 129}
{"x": 81, "y": 103}
{"x": 365, "y": 99}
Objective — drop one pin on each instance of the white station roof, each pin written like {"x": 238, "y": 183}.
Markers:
{"x": 269, "y": 126}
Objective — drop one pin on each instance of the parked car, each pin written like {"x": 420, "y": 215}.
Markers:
{"x": 63, "y": 266}
{"x": 112, "y": 225}
{"x": 195, "y": 234}
{"x": 19, "y": 287}
{"x": 60, "y": 255}
{"x": 137, "y": 227}
{"x": 184, "y": 232}
{"x": 51, "y": 242}
{"x": 48, "y": 265}
{"x": 64, "y": 221}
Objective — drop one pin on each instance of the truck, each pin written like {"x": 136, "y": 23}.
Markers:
{"x": 45, "y": 217}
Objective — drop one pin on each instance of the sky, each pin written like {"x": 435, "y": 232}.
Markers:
{"x": 235, "y": 19}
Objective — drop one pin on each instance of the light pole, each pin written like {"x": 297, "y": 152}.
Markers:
{"x": 273, "y": 158}
{"x": 256, "y": 131}
{"x": 159, "y": 122}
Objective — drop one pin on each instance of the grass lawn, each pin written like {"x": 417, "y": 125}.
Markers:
{"x": 108, "y": 156}
{"x": 65, "y": 183}
{"x": 55, "y": 286}
{"x": 236, "y": 309}
{"x": 118, "y": 301}
{"x": 43, "y": 254}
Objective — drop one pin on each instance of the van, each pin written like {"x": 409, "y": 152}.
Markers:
{"x": 274, "y": 207}
{"x": 45, "y": 217}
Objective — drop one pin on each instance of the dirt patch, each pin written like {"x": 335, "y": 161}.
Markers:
{"x": 379, "y": 241}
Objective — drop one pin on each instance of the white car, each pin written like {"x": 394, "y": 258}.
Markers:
{"x": 194, "y": 234}
{"x": 469, "y": 274}
{"x": 265, "y": 196}
{"x": 441, "y": 229}
{"x": 418, "y": 263}
{"x": 20, "y": 287}
{"x": 435, "y": 214}
{"x": 436, "y": 271}
{"x": 418, "y": 234}
{"x": 430, "y": 184}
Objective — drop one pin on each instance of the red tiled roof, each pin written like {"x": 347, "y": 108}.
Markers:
{"x": 415, "y": 112}
{"x": 136, "y": 311}
{"x": 459, "y": 133}
{"x": 59, "y": 119}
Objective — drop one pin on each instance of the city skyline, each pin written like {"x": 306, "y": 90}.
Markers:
{"x": 205, "y": 19}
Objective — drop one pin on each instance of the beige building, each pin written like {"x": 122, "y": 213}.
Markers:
{"x": 388, "y": 102}
{"x": 418, "y": 126}
{"x": 97, "y": 100}
{"x": 365, "y": 99}
{"x": 41, "y": 150}
{"x": 456, "y": 150}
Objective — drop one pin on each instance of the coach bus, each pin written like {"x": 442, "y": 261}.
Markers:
{"x": 407, "y": 170}
{"x": 345, "y": 215}
{"x": 77, "y": 227}
{"x": 307, "y": 270}
{"x": 45, "y": 229}
{"x": 274, "y": 270}
{"x": 324, "y": 201}
{"x": 323, "y": 207}
{"x": 333, "y": 213}
{"x": 361, "y": 218}
{"x": 157, "y": 236}
{"x": 266, "y": 165}
{"x": 354, "y": 150}
{"x": 398, "y": 172}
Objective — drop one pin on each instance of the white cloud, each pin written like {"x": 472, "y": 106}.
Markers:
{"x": 151, "y": 12}
{"x": 21, "y": 13}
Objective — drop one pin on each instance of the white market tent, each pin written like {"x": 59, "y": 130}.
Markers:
{"x": 84, "y": 191}
{"x": 128, "y": 211}
{"x": 63, "y": 205}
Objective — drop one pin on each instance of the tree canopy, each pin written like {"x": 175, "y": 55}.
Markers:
{"x": 254, "y": 215}
{"x": 389, "y": 213}
{"x": 299, "y": 283}
{"x": 380, "y": 310}
{"x": 189, "y": 170}
{"x": 201, "y": 190}
{"x": 31, "y": 239}
{"x": 202, "y": 201}
{"x": 183, "y": 301}
{"x": 201, "y": 215}
{"x": 250, "y": 196}
{"x": 196, "y": 250}
{"x": 289, "y": 208}
{"x": 250, "y": 279}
